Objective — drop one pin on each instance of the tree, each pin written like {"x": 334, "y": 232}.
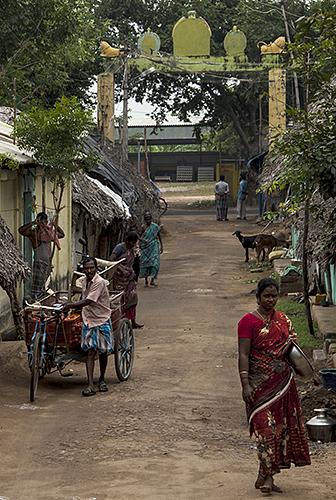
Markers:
{"x": 222, "y": 106}
{"x": 49, "y": 46}
{"x": 308, "y": 149}
{"x": 56, "y": 138}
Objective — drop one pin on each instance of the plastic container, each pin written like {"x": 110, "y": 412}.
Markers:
{"x": 325, "y": 303}
{"x": 328, "y": 378}
{"x": 320, "y": 298}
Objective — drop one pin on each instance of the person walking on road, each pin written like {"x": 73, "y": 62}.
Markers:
{"x": 221, "y": 190}
{"x": 97, "y": 333}
{"x": 151, "y": 248}
{"x": 269, "y": 390}
{"x": 241, "y": 197}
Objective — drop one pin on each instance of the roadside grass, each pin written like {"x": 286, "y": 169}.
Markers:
{"x": 202, "y": 204}
{"x": 186, "y": 188}
{"x": 297, "y": 314}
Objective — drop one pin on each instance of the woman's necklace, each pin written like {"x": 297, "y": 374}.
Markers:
{"x": 260, "y": 315}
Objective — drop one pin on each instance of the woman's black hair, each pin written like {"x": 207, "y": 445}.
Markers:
{"x": 264, "y": 283}
{"x": 132, "y": 236}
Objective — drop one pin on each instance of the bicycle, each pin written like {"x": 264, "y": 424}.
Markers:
{"x": 49, "y": 351}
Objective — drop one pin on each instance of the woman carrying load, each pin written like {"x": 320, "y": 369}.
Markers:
{"x": 124, "y": 277}
{"x": 269, "y": 390}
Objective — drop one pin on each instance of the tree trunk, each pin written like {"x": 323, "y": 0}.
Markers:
{"x": 16, "y": 310}
{"x": 305, "y": 265}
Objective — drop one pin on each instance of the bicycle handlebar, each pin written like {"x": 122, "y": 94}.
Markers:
{"x": 56, "y": 308}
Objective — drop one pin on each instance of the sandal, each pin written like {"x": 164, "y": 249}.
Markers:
{"x": 102, "y": 387}
{"x": 88, "y": 392}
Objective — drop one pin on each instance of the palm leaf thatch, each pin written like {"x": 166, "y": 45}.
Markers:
{"x": 12, "y": 264}
{"x": 147, "y": 199}
{"x": 99, "y": 204}
{"x": 321, "y": 241}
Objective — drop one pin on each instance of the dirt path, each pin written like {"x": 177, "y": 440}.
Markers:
{"x": 177, "y": 428}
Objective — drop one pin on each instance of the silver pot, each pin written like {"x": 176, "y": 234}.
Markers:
{"x": 321, "y": 428}
{"x": 301, "y": 364}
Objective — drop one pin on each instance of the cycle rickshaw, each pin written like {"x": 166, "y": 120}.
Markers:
{"x": 54, "y": 339}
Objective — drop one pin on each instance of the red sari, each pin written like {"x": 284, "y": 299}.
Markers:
{"x": 275, "y": 415}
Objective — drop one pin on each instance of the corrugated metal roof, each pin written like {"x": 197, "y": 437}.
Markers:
{"x": 170, "y": 121}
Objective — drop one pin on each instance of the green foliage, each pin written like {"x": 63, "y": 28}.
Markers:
{"x": 223, "y": 138}
{"x": 7, "y": 160}
{"x": 296, "y": 313}
{"x": 203, "y": 204}
{"x": 308, "y": 149}
{"x": 231, "y": 111}
{"x": 56, "y": 137}
{"x": 49, "y": 46}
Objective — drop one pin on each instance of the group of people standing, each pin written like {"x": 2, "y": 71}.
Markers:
{"x": 141, "y": 252}
{"x": 221, "y": 191}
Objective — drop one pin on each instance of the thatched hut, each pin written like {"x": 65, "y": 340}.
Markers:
{"x": 321, "y": 239}
{"x": 108, "y": 199}
{"x": 98, "y": 215}
{"x": 12, "y": 268}
{"x": 146, "y": 198}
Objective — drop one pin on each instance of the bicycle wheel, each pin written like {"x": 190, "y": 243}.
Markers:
{"x": 35, "y": 366}
{"x": 124, "y": 350}
{"x": 163, "y": 206}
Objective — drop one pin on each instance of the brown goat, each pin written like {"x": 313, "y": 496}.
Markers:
{"x": 268, "y": 241}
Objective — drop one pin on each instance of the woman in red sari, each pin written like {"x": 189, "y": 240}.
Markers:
{"x": 269, "y": 390}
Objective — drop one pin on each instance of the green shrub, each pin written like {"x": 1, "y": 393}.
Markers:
{"x": 296, "y": 313}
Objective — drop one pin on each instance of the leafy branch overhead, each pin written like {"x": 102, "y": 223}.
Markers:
{"x": 56, "y": 138}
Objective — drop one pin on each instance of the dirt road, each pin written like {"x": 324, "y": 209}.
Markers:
{"x": 177, "y": 428}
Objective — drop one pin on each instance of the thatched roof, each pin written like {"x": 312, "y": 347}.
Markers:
{"x": 321, "y": 247}
{"x": 147, "y": 199}
{"x": 12, "y": 264}
{"x": 103, "y": 205}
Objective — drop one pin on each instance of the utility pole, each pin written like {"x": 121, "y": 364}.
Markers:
{"x": 296, "y": 83}
{"x": 125, "y": 107}
{"x": 260, "y": 125}
{"x": 14, "y": 85}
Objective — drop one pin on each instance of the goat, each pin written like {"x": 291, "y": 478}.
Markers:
{"x": 246, "y": 241}
{"x": 263, "y": 241}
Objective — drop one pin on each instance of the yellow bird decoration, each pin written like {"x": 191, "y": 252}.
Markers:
{"x": 107, "y": 51}
{"x": 272, "y": 48}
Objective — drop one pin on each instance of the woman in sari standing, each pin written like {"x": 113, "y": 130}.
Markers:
{"x": 269, "y": 390}
{"x": 124, "y": 277}
{"x": 151, "y": 248}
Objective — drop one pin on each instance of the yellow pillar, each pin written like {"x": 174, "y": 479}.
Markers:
{"x": 277, "y": 101}
{"x": 105, "y": 111}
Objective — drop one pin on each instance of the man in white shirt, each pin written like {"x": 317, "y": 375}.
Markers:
{"x": 221, "y": 190}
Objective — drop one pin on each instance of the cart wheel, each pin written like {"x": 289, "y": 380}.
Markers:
{"x": 124, "y": 350}
{"x": 35, "y": 366}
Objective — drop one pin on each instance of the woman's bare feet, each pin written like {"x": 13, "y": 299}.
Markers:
{"x": 153, "y": 283}
{"x": 267, "y": 485}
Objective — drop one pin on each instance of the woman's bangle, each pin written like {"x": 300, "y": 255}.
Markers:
{"x": 243, "y": 371}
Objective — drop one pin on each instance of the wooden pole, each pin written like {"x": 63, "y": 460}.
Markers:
{"x": 146, "y": 155}
{"x": 125, "y": 109}
{"x": 296, "y": 83}
{"x": 14, "y": 138}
